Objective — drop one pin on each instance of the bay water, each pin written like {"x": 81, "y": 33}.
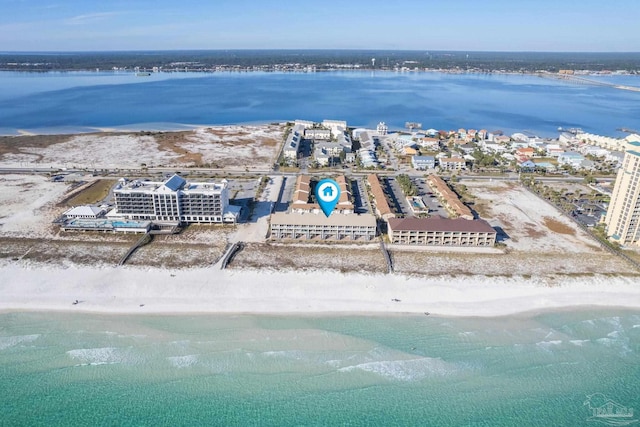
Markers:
{"x": 59, "y": 369}
{"x": 72, "y": 102}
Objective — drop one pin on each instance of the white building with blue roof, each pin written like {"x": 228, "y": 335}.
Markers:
{"x": 423, "y": 162}
{"x": 292, "y": 144}
{"x": 174, "y": 200}
{"x": 571, "y": 158}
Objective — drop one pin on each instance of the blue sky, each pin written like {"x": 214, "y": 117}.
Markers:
{"x": 503, "y": 25}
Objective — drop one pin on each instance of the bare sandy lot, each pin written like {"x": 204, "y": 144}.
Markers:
{"x": 239, "y": 146}
{"x": 28, "y": 205}
{"x": 197, "y": 246}
{"x": 531, "y": 224}
{"x": 218, "y": 147}
{"x": 509, "y": 264}
{"x": 303, "y": 257}
{"x": 61, "y": 253}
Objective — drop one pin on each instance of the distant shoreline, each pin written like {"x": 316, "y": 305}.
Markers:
{"x": 590, "y": 73}
{"x": 133, "y": 128}
{"x": 294, "y": 59}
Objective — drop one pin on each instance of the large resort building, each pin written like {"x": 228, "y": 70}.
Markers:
{"x": 623, "y": 215}
{"x": 174, "y": 200}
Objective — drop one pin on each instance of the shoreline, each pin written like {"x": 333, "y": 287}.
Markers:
{"x": 132, "y": 290}
{"x": 129, "y": 129}
{"x": 528, "y": 314}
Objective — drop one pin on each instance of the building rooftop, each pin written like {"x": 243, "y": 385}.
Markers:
{"x": 449, "y": 196}
{"x": 173, "y": 184}
{"x": 84, "y": 211}
{"x": 303, "y": 187}
{"x": 283, "y": 218}
{"x": 345, "y": 193}
{"x": 380, "y": 199}
{"x": 440, "y": 224}
{"x": 573, "y": 154}
{"x": 301, "y": 193}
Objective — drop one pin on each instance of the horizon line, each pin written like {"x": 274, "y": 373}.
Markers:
{"x": 2, "y": 52}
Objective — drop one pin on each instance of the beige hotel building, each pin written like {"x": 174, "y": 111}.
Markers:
{"x": 623, "y": 215}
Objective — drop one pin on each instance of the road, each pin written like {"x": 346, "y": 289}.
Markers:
{"x": 128, "y": 172}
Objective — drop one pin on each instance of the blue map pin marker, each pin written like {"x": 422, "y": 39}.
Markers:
{"x": 327, "y": 195}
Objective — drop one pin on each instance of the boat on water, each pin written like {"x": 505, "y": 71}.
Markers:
{"x": 574, "y": 131}
{"x": 143, "y": 74}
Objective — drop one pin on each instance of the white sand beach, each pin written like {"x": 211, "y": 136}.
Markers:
{"x": 153, "y": 290}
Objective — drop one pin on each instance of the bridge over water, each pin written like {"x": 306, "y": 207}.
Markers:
{"x": 579, "y": 80}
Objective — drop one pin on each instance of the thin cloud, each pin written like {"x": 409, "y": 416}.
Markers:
{"x": 47, "y": 6}
{"x": 91, "y": 17}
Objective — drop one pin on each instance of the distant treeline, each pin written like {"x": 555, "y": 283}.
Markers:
{"x": 321, "y": 59}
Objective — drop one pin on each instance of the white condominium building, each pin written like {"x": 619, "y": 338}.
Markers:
{"x": 452, "y": 163}
{"x": 174, "y": 200}
{"x": 607, "y": 142}
{"x": 336, "y": 126}
{"x": 292, "y": 144}
{"x": 623, "y": 215}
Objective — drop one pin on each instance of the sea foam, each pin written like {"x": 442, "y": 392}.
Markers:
{"x": 183, "y": 361}
{"x": 97, "y": 356}
{"x": 405, "y": 370}
{"x": 7, "y": 342}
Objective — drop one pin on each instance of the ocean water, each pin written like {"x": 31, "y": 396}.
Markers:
{"x": 84, "y": 101}
{"x": 84, "y": 369}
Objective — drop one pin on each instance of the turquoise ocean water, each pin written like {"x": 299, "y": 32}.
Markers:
{"x": 87, "y": 369}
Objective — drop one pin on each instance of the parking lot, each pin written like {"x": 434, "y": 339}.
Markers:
{"x": 286, "y": 194}
{"x": 398, "y": 201}
{"x": 587, "y": 213}
{"x": 241, "y": 193}
{"x": 430, "y": 199}
{"x": 397, "y": 198}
